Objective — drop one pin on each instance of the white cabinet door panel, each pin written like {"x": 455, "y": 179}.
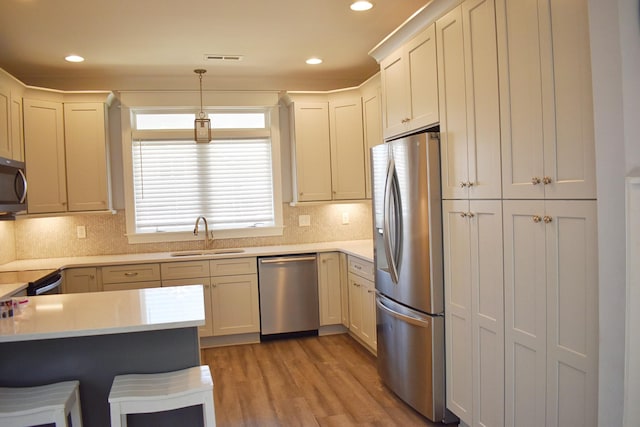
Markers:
{"x": 525, "y": 313}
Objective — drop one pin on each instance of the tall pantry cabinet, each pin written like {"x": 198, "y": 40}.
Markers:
{"x": 470, "y": 167}
{"x": 550, "y": 247}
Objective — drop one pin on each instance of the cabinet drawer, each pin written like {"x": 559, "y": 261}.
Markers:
{"x": 130, "y": 273}
{"x": 231, "y": 266}
{"x": 184, "y": 270}
{"x": 130, "y": 285}
{"x": 361, "y": 268}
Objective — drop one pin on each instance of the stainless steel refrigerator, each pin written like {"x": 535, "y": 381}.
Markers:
{"x": 409, "y": 271}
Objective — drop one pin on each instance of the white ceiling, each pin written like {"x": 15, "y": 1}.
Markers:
{"x": 156, "y": 44}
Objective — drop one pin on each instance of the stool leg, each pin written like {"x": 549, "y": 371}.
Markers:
{"x": 60, "y": 418}
{"x": 76, "y": 416}
{"x": 116, "y": 417}
{"x": 209, "y": 413}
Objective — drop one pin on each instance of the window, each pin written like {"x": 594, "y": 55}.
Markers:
{"x": 233, "y": 181}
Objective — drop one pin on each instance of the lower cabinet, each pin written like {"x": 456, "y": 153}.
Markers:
{"x": 551, "y": 318}
{"x": 474, "y": 321}
{"x": 329, "y": 288}
{"x": 235, "y": 304}
{"x": 362, "y": 302}
{"x": 125, "y": 277}
{"x": 230, "y": 289}
{"x": 78, "y": 280}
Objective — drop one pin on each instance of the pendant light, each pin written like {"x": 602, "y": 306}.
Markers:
{"x": 202, "y": 123}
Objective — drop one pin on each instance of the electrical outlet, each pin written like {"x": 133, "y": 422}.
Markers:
{"x": 304, "y": 220}
{"x": 81, "y": 232}
{"x": 345, "y": 218}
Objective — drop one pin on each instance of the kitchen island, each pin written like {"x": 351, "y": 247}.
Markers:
{"x": 92, "y": 337}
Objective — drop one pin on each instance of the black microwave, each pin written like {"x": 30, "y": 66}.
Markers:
{"x": 13, "y": 188}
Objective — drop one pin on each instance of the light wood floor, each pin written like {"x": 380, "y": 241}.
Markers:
{"x": 316, "y": 381}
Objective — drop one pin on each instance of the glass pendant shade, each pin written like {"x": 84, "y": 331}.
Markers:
{"x": 202, "y": 124}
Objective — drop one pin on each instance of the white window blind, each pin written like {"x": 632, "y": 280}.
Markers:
{"x": 228, "y": 181}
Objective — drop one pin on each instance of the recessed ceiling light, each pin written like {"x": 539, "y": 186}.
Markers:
{"x": 74, "y": 58}
{"x": 314, "y": 61}
{"x": 361, "y": 5}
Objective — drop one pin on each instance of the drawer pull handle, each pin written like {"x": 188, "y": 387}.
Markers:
{"x": 131, "y": 274}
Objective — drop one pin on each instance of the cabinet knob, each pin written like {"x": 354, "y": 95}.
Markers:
{"x": 535, "y": 180}
{"x": 547, "y": 219}
{"x": 470, "y": 214}
{"x": 463, "y": 184}
{"x": 546, "y": 180}
{"x": 469, "y": 184}
{"x": 463, "y": 214}
{"x": 301, "y": 193}
{"x": 537, "y": 218}
{"x": 91, "y": 276}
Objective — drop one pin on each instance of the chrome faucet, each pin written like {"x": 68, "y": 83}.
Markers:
{"x": 206, "y": 230}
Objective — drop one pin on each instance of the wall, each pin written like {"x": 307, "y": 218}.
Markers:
{"x": 56, "y": 236}
{"x": 615, "y": 47}
{"x": 7, "y": 241}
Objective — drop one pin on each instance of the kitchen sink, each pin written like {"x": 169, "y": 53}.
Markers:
{"x": 207, "y": 252}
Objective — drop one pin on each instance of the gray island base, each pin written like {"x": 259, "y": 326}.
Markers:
{"x": 95, "y": 360}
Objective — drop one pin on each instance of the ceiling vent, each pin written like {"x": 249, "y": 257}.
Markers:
{"x": 223, "y": 58}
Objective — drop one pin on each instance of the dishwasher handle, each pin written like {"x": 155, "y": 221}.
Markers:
{"x": 287, "y": 259}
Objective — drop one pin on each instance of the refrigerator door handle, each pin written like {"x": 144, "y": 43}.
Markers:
{"x": 388, "y": 248}
{"x": 416, "y": 321}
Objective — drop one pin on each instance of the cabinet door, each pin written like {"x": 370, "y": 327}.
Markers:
{"x": 44, "y": 153}
{"x": 86, "y": 154}
{"x": 234, "y": 304}
{"x": 369, "y": 333}
{"x": 482, "y": 99}
{"x": 546, "y": 99}
{"x": 355, "y": 305}
{"x": 572, "y": 313}
{"x": 329, "y": 286}
{"x": 422, "y": 75}
{"x": 569, "y": 154}
{"x": 372, "y": 117}
{"x": 487, "y": 312}
{"x": 5, "y": 122}
{"x": 17, "y": 127}
{"x": 458, "y": 312}
{"x": 77, "y": 280}
{"x": 395, "y": 93}
{"x": 453, "y": 106}
{"x": 525, "y": 313}
{"x": 311, "y": 146}
{"x": 469, "y": 110}
{"x": 344, "y": 290}
{"x": 347, "y": 150}
{"x": 205, "y": 330}
{"x": 521, "y": 98}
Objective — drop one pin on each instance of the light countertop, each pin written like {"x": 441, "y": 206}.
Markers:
{"x": 9, "y": 289}
{"x": 100, "y": 313}
{"x": 360, "y": 248}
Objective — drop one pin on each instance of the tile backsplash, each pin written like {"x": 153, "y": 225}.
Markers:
{"x": 105, "y": 233}
{"x": 7, "y": 241}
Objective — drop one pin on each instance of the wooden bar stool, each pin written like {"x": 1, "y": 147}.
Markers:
{"x": 45, "y": 404}
{"x": 146, "y": 393}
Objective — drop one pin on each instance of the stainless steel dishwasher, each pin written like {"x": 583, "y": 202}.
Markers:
{"x": 288, "y": 296}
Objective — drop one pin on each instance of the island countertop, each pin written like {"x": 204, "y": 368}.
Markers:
{"x": 101, "y": 313}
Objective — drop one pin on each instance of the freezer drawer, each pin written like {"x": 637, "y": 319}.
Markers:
{"x": 411, "y": 356}
{"x": 288, "y": 294}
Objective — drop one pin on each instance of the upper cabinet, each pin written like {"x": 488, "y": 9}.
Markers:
{"x": 410, "y": 85}
{"x": 330, "y": 136}
{"x": 11, "y": 136}
{"x": 44, "y": 152}
{"x": 66, "y": 154}
{"x": 469, "y": 102}
{"x": 372, "y": 124}
{"x": 548, "y": 147}
{"x": 86, "y": 154}
{"x": 347, "y": 148}
{"x": 311, "y": 151}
